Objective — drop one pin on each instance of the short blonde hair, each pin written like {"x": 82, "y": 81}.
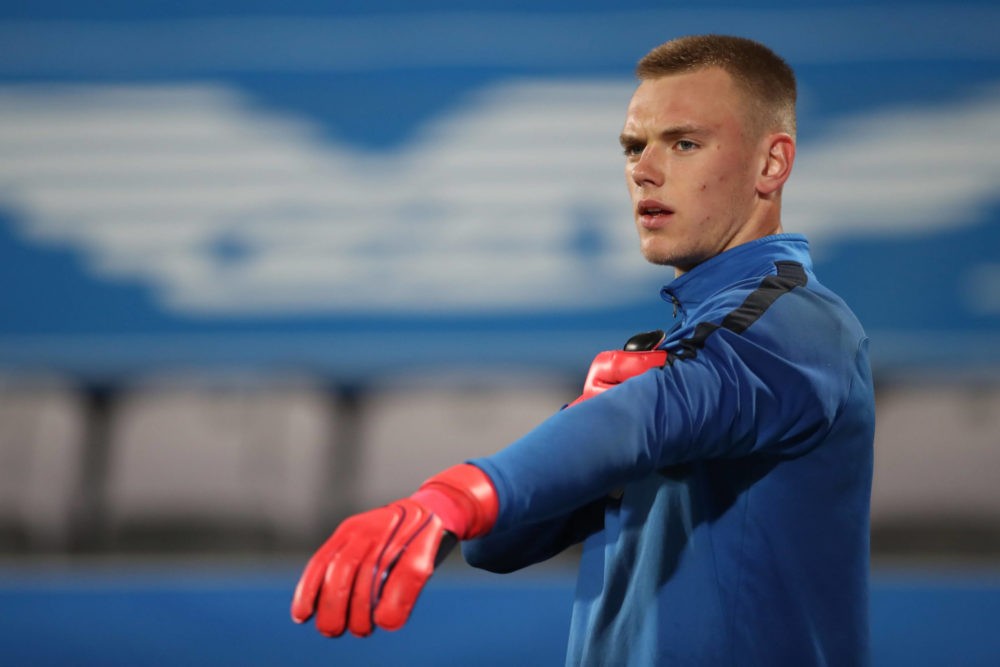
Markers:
{"x": 765, "y": 78}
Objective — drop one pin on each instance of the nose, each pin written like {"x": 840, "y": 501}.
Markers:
{"x": 645, "y": 171}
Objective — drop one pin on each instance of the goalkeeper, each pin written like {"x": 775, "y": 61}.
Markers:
{"x": 718, "y": 475}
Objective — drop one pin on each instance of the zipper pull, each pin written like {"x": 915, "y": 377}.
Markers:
{"x": 676, "y": 303}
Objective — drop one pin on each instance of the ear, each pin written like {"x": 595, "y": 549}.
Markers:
{"x": 777, "y": 165}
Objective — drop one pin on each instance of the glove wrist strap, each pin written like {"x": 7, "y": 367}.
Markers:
{"x": 464, "y": 498}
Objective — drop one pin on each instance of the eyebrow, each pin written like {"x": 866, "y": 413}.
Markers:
{"x": 673, "y": 132}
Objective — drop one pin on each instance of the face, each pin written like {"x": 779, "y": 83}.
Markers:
{"x": 690, "y": 166}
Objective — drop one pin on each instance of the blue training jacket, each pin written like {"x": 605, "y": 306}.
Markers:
{"x": 722, "y": 500}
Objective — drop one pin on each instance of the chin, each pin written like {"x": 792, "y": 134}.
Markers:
{"x": 660, "y": 259}
{"x": 655, "y": 251}
{"x": 681, "y": 263}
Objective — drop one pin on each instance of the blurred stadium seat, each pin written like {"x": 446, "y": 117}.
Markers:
{"x": 410, "y": 433}
{"x": 41, "y": 441}
{"x": 937, "y": 455}
{"x": 243, "y": 467}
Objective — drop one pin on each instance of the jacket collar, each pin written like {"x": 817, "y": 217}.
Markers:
{"x": 754, "y": 259}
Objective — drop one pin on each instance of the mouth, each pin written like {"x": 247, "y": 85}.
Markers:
{"x": 653, "y": 214}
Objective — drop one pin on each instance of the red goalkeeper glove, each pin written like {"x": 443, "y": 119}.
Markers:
{"x": 615, "y": 366}
{"x": 373, "y": 567}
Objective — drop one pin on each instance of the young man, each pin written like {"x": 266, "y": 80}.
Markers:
{"x": 721, "y": 483}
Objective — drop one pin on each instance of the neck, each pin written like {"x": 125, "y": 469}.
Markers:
{"x": 765, "y": 220}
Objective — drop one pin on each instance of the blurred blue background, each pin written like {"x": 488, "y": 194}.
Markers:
{"x": 268, "y": 263}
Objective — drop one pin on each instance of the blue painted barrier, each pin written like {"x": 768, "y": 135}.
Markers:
{"x": 173, "y": 617}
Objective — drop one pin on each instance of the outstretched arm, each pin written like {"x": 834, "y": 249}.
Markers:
{"x": 509, "y": 550}
{"x": 371, "y": 570}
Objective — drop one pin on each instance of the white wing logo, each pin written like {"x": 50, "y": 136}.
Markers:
{"x": 513, "y": 200}
{"x": 899, "y": 171}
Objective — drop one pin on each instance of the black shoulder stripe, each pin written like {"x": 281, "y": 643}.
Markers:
{"x": 790, "y": 275}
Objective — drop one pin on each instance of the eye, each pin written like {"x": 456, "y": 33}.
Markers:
{"x": 685, "y": 145}
{"x": 633, "y": 150}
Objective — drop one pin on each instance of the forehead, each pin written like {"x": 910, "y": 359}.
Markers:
{"x": 704, "y": 97}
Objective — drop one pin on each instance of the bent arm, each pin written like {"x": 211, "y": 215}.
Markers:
{"x": 734, "y": 398}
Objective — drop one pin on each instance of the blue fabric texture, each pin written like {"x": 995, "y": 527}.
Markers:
{"x": 723, "y": 500}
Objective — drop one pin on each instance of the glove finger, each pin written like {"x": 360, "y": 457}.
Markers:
{"x": 372, "y": 569}
{"x": 408, "y": 576}
{"x": 304, "y": 599}
{"x": 339, "y": 579}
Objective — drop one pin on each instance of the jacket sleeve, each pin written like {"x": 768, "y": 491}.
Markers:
{"x": 733, "y": 398}
{"x": 520, "y": 546}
